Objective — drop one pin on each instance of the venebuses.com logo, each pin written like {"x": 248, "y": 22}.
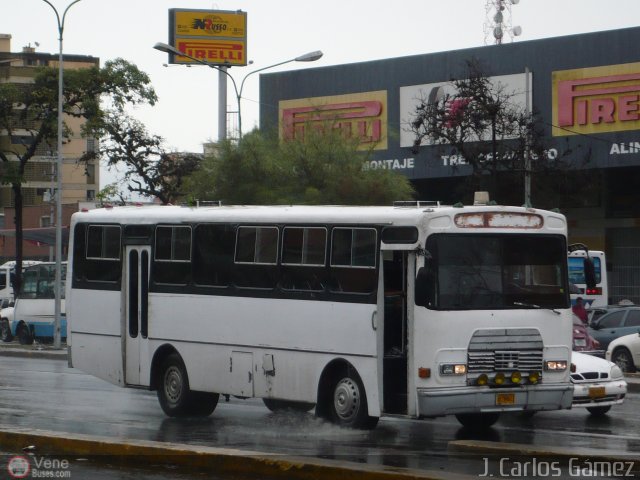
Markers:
{"x": 38, "y": 467}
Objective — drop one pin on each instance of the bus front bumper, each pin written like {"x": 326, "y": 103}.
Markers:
{"x": 434, "y": 402}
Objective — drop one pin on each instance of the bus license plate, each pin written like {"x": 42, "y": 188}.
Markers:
{"x": 596, "y": 392}
{"x": 505, "y": 398}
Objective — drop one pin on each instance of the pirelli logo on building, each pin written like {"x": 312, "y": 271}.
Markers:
{"x": 596, "y": 100}
{"x": 361, "y": 115}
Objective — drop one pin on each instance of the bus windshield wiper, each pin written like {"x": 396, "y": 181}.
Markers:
{"x": 533, "y": 305}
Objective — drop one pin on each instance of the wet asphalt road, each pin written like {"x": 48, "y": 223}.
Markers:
{"x": 46, "y": 394}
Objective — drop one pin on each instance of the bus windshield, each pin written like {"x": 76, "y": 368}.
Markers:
{"x": 480, "y": 271}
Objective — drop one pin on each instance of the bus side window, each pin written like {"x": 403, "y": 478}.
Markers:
{"x": 172, "y": 260}
{"x": 353, "y": 260}
{"x": 256, "y": 257}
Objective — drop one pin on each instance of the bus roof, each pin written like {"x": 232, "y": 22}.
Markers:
{"x": 303, "y": 214}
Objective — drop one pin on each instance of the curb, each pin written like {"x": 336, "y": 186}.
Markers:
{"x": 33, "y": 353}
{"x": 480, "y": 447}
{"x": 222, "y": 461}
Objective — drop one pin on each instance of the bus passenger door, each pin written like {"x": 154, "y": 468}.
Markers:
{"x": 395, "y": 331}
{"x": 136, "y": 310}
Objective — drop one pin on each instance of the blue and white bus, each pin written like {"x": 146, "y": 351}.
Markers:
{"x": 33, "y": 315}
{"x": 597, "y": 293}
{"x": 421, "y": 310}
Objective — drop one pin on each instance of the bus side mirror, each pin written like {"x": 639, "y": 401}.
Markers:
{"x": 589, "y": 273}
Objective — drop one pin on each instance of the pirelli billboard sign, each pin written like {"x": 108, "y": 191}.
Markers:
{"x": 218, "y": 37}
{"x": 596, "y": 100}
{"x": 357, "y": 115}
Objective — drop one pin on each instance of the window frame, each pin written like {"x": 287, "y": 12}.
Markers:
{"x": 304, "y": 229}
{"x": 255, "y": 244}
{"x": 104, "y": 227}
{"x": 173, "y": 238}
{"x": 351, "y": 265}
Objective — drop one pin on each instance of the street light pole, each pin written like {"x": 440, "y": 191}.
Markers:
{"x": 58, "y": 279}
{"x": 224, "y": 74}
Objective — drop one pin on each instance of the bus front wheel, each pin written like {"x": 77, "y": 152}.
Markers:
{"x": 478, "y": 421}
{"x": 5, "y": 331}
{"x": 174, "y": 394}
{"x": 349, "y": 404}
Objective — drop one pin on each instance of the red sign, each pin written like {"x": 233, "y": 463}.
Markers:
{"x": 596, "y": 100}
{"x": 218, "y": 51}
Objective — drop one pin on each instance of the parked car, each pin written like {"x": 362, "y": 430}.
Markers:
{"x": 614, "y": 324}
{"x": 625, "y": 352}
{"x": 596, "y": 312}
{"x": 598, "y": 384}
{"x": 583, "y": 341}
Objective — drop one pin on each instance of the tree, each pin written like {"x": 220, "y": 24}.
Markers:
{"x": 34, "y": 108}
{"x": 150, "y": 169}
{"x": 324, "y": 168}
{"x": 483, "y": 125}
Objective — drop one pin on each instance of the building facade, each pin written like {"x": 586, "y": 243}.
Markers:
{"x": 80, "y": 181}
{"x": 584, "y": 88}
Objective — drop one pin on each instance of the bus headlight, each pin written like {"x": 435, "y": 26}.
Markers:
{"x": 499, "y": 379}
{"x": 453, "y": 369}
{"x": 555, "y": 365}
{"x": 516, "y": 377}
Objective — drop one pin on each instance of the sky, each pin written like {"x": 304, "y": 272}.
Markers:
{"x": 346, "y": 31}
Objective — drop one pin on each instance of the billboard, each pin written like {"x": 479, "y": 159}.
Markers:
{"x": 414, "y": 95}
{"x": 596, "y": 100}
{"x": 357, "y": 114}
{"x": 218, "y": 37}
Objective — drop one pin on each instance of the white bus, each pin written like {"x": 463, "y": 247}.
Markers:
{"x": 421, "y": 310}
{"x": 7, "y": 272}
{"x": 594, "y": 291}
{"x": 33, "y": 314}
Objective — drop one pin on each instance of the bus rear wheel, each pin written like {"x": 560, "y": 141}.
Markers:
{"x": 174, "y": 394}
{"x": 279, "y": 405}
{"x": 478, "y": 421}
{"x": 349, "y": 404}
{"x": 24, "y": 335}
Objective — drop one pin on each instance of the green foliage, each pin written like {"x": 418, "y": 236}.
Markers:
{"x": 324, "y": 168}
{"x": 33, "y": 108}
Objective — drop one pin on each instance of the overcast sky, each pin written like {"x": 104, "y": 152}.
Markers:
{"x": 346, "y": 31}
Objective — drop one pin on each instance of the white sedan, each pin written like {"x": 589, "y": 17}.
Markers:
{"x": 625, "y": 352}
{"x": 597, "y": 383}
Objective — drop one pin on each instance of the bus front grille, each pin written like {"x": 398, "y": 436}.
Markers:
{"x": 492, "y": 350}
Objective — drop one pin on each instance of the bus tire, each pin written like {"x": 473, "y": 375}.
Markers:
{"x": 478, "y": 421}
{"x": 174, "y": 395}
{"x": 202, "y": 404}
{"x": 279, "y": 405}
{"x": 5, "y": 331}
{"x": 349, "y": 403}
{"x": 598, "y": 411}
{"x": 24, "y": 335}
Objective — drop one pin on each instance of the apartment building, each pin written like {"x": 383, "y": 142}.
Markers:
{"x": 80, "y": 182}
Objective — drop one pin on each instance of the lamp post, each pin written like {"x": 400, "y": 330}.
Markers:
{"x": 58, "y": 279}
{"x": 307, "y": 57}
